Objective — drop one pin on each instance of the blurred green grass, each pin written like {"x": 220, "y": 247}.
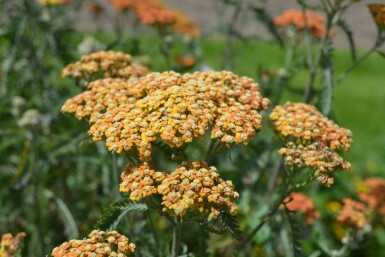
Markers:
{"x": 359, "y": 100}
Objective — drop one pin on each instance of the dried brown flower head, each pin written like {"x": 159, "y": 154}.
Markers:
{"x": 98, "y": 243}
{"x": 104, "y": 64}
{"x": 179, "y": 108}
{"x": 375, "y": 194}
{"x": 197, "y": 187}
{"x": 298, "y": 202}
{"x": 10, "y": 244}
{"x": 322, "y": 161}
{"x": 353, "y": 214}
{"x": 303, "y": 121}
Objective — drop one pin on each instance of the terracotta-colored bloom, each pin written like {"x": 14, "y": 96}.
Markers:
{"x": 184, "y": 25}
{"x": 319, "y": 158}
{"x": 197, "y": 187}
{"x": 10, "y": 244}
{"x": 178, "y": 108}
{"x": 353, "y": 214}
{"x": 98, "y": 243}
{"x": 378, "y": 14}
{"x": 140, "y": 180}
{"x": 103, "y": 64}
{"x": 303, "y": 121}
{"x": 300, "y": 203}
{"x": 185, "y": 61}
{"x": 375, "y": 194}
{"x": 315, "y": 22}
{"x": 154, "y": 15}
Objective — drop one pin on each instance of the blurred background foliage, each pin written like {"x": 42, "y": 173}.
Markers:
{"x": 55, "y": 182}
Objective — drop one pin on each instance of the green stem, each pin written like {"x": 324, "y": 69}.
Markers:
{"x": 154, "y": 234}
{"x": 176, "y": 239}
{"x": 286, "y": 191}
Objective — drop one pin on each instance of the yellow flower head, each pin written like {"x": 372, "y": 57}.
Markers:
{"x": 322, "y": 161}
{"x": 197, "y": 187}
{"x": 103, "y": 64}
{"x": 10, "y": 244}
{"x": 140, "y": 180}
{"x": 304, "y": 122}
{"x": 178, "y": 108}
{"x": 98, "y": 243}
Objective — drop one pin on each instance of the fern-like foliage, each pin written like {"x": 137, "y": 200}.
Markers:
{"x": 225, "y": 224}
{"x": 349, "y": 34}
{"x": 296, "y": 234}
{"x": 114, "y": 213}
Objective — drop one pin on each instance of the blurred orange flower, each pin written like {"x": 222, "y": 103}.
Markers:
{"x": 10, "y": 244}
{"x": 375, "y": 194}
{"x": 378, "y": 14}
{"x": 353, "y": 214}
{"x": 298, "y": 202}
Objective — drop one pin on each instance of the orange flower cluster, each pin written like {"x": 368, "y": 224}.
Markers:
{"x": 321, "y": 160}
{"x": 140, "y": 180}
{"x": 305, "y": 122}
{"x": 156, "y": 13}
{"x": 103, "y": 64}
{"x": 375, "y": 194}
{"x": 10, "y": 244}
{"x": 300, "y": 203}
{"x": 352, "y": 214}
{"x": 95, "y": 8}
{"x": 98, "y": 244}
{"x": 378, "y": 14}
{"x": 179, "y": 108}
{"x": 315, "y": 22}
{"x": 197, "y": 187}
{"x": 103, "y": 95}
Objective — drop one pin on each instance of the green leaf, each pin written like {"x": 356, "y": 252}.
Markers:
{"x": 296, "y": 233}
{"x": 113, "y": 214}
{"x": 232, "y": 223}
{"x": 71, "y": 229}
{"x": 349, "y": 34}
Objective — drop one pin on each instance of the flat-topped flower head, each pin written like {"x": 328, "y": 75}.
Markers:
{"x": 304, "y": 122}
{"x": 140, "y": 181}
{"x": 298, "y": 202}
{"x": 353, "y": 214}
{"x": 378, "y": 14}
{"x": 10, "y": 244}
{"x": 296, "y": 18}
{"x": 321, "y": 160}
{"x": 104, "y": 64}
{"x": 178, "y": 108}
{"x": 197, "y": 187}
{"x": 98, "y": 243}
{"x": 102, "y": 95}
{"x": 374, "y": 194}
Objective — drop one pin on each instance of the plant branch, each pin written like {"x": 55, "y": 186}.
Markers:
{"x": 176, "y": 239}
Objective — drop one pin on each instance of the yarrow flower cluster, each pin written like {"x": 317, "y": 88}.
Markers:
{"x": 104, "y": 64}
{"x": 378, "y": 14}
{"x": 298, "y": 202}
{"x": 98, "y": 243}
{"x": 353, "y": 214}
{"x": 140, "y": 180}
{"x": 197, "y": 187}
{"x": 374, "y": 194}
{"x": 102, "y": 95}
{"x": 311, "y": 139}
{"x": 313, "y": 21}
{"x": 156, "y": 13}
{"x": 10, "y": 244}
{"x": 177, "y": 108}
{"x": 321, "y": 159}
